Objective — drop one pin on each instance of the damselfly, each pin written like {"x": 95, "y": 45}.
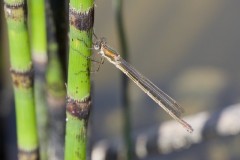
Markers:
{"x": 161, "y": 98}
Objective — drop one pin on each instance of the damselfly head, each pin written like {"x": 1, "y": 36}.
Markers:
{"x": 97, "y": 44}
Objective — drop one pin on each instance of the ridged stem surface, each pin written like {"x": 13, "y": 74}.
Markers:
{"x": 81, "y": 16}
{"x": 22, "y": 77}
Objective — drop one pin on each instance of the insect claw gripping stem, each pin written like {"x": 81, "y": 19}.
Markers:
{"x": 95, "y": 36}
{"x": 91, "y": 59}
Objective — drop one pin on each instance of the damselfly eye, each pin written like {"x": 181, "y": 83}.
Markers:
{"x": 96, "y": 46}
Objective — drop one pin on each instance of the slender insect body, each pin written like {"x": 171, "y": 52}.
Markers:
{"x": 156, "y": 94}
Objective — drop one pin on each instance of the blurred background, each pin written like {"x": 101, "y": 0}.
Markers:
{"x": 190, "y": 49}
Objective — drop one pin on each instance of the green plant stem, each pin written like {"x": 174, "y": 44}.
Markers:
{"x": 55, "y": 92}
{"x": 125, "y": 82}
{"x": 78, "y": 87}
{"x": 1, "y": 53}
{"x": 21, "y": 71}
{"x": 38, "y": 43}
{"x": 2, "y": 126}
{"x": 60, "y": 19}
{"x": 56, "y": 102}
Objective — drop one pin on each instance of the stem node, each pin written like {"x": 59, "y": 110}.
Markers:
{"x": 28, "y": 155}
{"x": 81, "y": 20}
{"x": 79, "y": 109}
{"x": 22, "y": 79}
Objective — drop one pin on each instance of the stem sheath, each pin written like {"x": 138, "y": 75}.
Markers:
{"x": 81, "y": 16}
{"x": 22, "y": 77}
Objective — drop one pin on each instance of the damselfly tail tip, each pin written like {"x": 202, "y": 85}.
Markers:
{"x": 190, "y": 129}
{"x": 187, "y": 126}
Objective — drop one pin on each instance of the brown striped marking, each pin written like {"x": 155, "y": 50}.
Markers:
{"x": 81, "y": 20}
{"x": 79, "y": 109}
{"x": 22, "y": 79}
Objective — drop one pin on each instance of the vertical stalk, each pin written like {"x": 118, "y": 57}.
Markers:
{"x": 38, "y": 42}
{"x": 81, "y": 17}
{"x": 56, "y": 102}
{"x": 55, "y": 92}
{"x": 2, "y": 126}
{"x": 60, "y": 18}
{"x": 125, "y": 82}
{"x": 1, "y": 53}
{"x": 22, "y": 77}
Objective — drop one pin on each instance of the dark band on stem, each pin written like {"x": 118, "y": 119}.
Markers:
{"x": 22, "y": 79}
{"x": 16, "y": 10}
{"x": 29, "y": 155}
{"x": 81, "y": 20}
{"x": 79, "y": 109}
{"x": 14, "y": 5}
